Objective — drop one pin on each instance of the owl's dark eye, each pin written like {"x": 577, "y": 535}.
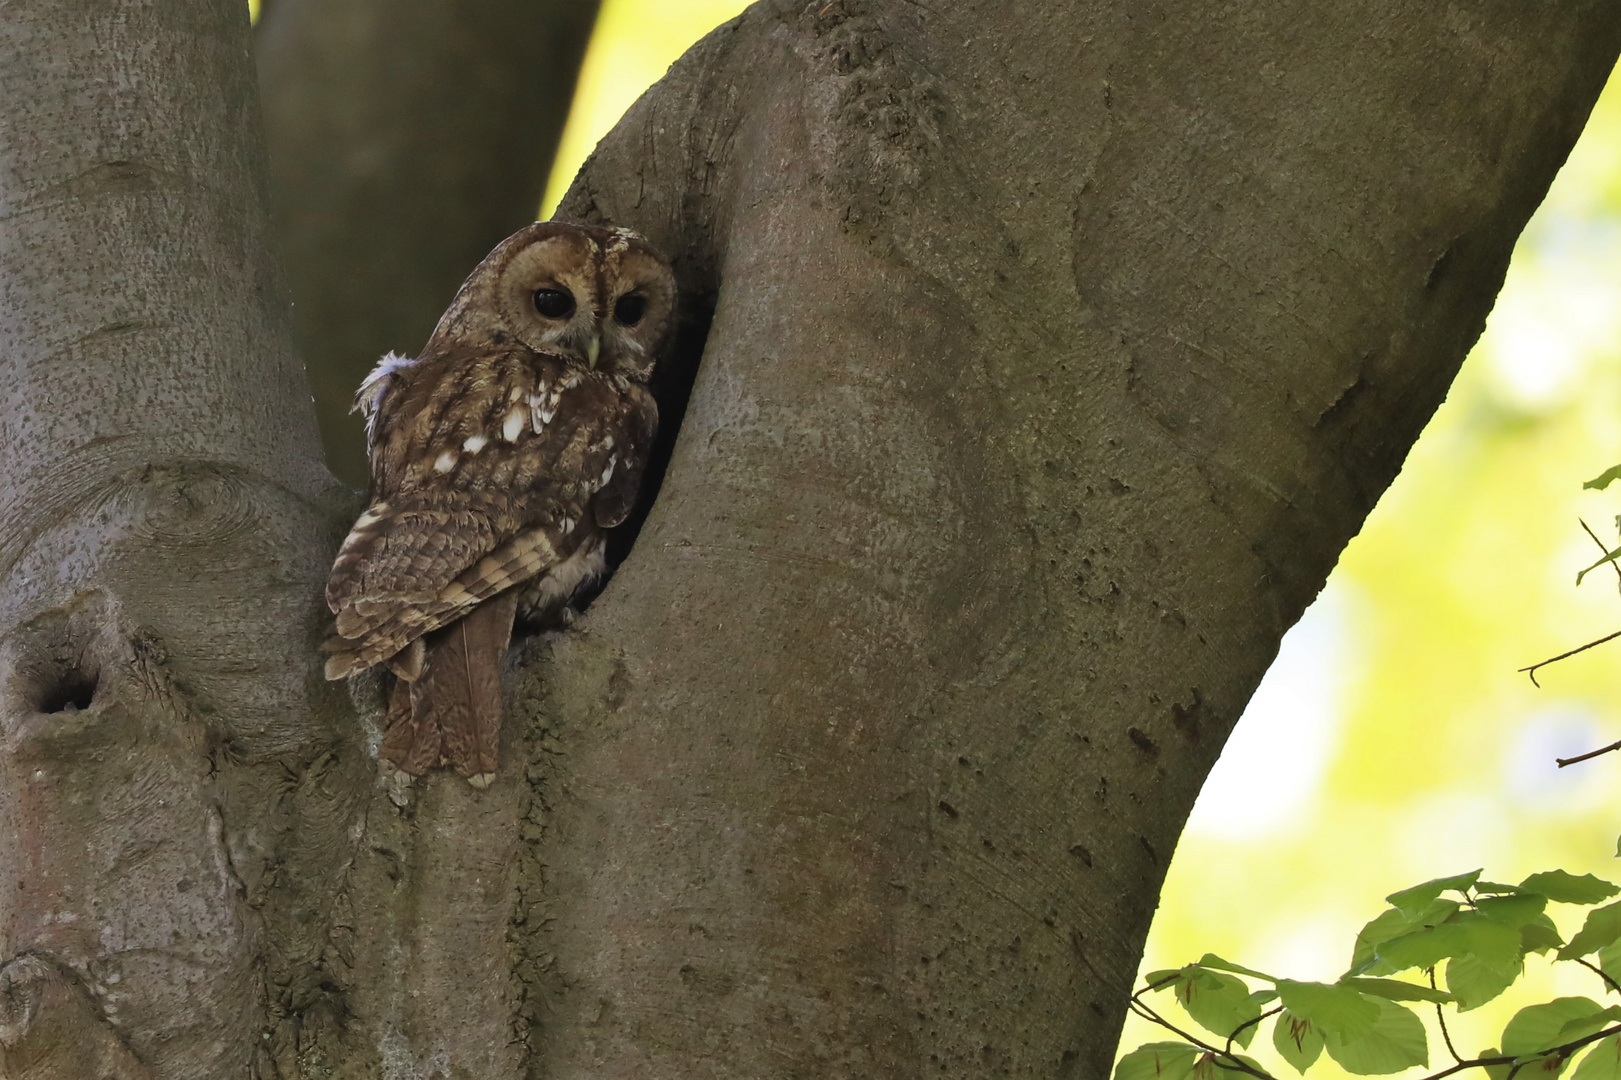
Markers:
{"x": 630, "y": 309}
{"x": 554, "y": 303}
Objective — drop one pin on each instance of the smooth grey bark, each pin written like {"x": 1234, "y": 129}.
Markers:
{"x": 1045, "y": 378}
{"x": 165, "y": 531}
{"x": 1057, "y": 351}
{"x": 406, "y": 140}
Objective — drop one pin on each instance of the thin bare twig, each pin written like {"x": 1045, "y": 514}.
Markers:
{"x": 1563, "y": 761}
{"x": 1532, "y": 670}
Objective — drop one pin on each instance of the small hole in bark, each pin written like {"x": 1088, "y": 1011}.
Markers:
{"x": 672, "y": 384}
{"x": 70, "y": 689}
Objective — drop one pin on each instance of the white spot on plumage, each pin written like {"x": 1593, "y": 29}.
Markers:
{"x": 550, "y": 410}
{"x": 517, "y": 418}
{"x": 569, "y": 382}
{"x": 567, "y": 525}
{"x": 515, "y": 393}
{"x": 537, "y": 414}
{"x": 445, "y": 462}
{"x": 607, "y": 474}
{"x": 475, "y": 443}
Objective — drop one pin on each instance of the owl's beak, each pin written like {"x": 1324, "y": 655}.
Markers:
{"x": 594, "y": 349}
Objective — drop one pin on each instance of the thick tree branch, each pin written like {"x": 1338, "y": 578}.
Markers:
{"x": 1047, "y": 378}
{"x": 405, "y": 141}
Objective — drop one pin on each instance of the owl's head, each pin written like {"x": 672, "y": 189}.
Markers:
{"x": 600, "y": 298}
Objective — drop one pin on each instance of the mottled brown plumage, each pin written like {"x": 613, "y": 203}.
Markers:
{"x": 498, "y": 456}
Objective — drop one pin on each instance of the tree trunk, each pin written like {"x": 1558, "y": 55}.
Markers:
{"x": 166, "y": 529}
{"x": 1053, "y": 352}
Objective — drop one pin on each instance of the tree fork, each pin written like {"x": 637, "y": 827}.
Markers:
{"x": 1046, "y": 378}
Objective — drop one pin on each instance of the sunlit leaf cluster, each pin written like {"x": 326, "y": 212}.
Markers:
{"x": 1465, "y": 939}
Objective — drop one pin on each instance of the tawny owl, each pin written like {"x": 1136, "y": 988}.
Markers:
{"x": 498, "y": 458}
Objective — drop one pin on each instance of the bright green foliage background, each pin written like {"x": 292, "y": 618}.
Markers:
{"x": 1424, "y": 751}
{"x": 634, "y": 43}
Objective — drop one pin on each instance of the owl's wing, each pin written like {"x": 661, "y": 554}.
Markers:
{"x": 623, "y": 476}
{"x": 389, "y": 582}
{"x": 490, "y": 464}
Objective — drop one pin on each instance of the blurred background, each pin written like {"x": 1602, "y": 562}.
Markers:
{"x": 1394, "y": 739}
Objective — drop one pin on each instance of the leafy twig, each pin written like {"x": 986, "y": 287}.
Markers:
{"x": 1233, "y": 1061}
{"x": 1608, "y": 557}
{"x": 1248, "y": 1023}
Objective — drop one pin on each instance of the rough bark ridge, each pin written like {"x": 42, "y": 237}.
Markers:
{"x": 1045, "y": 378}
{"x": 406, "y": 140}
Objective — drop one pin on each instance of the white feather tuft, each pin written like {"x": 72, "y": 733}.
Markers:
{"x": 369, "y": 398}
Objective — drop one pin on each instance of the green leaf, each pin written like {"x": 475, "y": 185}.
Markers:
{"x": 1164, "y": 976}
{"x": 1218, "y": 1003}
{"x": 1583, "y": 1026}
{"x": 1397, "y": 990}
{"x": 1393, "y": 923}
{"x": 1216, "y": 963}
{"x": 1513, "y": 911}
{"x": 1395, "y": 1042}
{"x": 1539, "y": 935}
{"x": 1563, "y": 888}
{"x": 1603, "y": 1061}
{"x": 1297, "y": 1041}
{"x": 1604, "y": 479}
{"x": 1608, "y": 556}
{"x": 1474, "y": 982}
{"x": 1466, "y": 933}
{"x": 1603, "y": 926}
{"x": 1536, "y": 1028}
{"x": 1337, "y": 1011}
{"x": 1609, "y": 960}
{"x": 1415, "y": 900}
{"x": 1264, "y": 998}
{"x": 1493, "y": 887}
{"x": 1157, "y": 1061}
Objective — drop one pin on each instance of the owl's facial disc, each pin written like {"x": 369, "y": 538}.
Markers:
{"x": 548, "y": 294}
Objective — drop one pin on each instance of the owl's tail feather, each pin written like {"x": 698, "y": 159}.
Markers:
{"x": 451, "y": 714}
